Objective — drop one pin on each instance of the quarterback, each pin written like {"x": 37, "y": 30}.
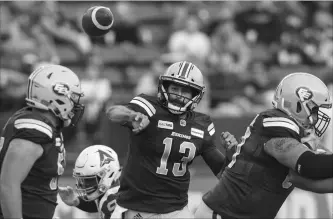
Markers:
{"x": 255, "y": 183}
{"x": 167, "y": 135}
{"x": 32, "y": 153}
{"x": 96, "y": 172}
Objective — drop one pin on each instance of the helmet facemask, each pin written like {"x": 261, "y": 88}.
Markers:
{"x": 87, "y": 187}
{"x": 179, "y": 106}
{"x": 91, "y": 187}
{"x": 77, "y": 110}
{"x": 317, "y": 119}
{"x": 73, "y": 117}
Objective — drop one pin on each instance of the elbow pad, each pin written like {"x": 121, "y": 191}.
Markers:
{"x": 315, "y": 166}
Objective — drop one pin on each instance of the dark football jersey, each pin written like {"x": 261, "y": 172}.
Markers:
{"x": 104, "y": 205}
{"x": 39, "y": 189}
{"x": 107, "y": 203}
{"x": 254, "y": 183}
{"x": 155, "y": 178}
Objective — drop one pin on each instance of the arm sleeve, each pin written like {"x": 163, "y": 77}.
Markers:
{"x": 210, "y": 153}
{"x": 90, "y": 207}
{"x": 315, "y": 166}
{"x": 215, "y": 160}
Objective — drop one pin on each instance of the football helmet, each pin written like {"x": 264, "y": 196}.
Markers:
{"x": 57, "y": 89}
{"x": 303, "y": 97}
{"x": 96, "y": 170}
{"x": 185, "y": 74}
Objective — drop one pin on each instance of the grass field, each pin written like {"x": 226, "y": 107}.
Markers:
{"x": 300, "y": 204}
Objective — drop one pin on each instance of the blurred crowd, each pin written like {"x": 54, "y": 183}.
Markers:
{"x": 242, "y": 48}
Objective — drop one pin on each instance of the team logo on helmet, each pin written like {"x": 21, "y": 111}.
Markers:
{"x": 304, "y": 93}
{"x": 61, "y": 89}
{"x": 104, "y": 157}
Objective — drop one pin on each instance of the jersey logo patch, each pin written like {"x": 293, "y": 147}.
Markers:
{"x": 182, "y": 122}
{"x": 197, "y": 132}
{"x": 304, "y": 93}
{"x": 176, "y": 134}
{"x": 165, "y": 124}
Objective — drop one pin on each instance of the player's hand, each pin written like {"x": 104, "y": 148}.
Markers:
{"x": 228, "y": 140}
{"x": 139, "y": 122}
{"x": 68, "y": 196}
{"x": 311, "y": 139}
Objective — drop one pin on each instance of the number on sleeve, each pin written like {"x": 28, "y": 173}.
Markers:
{"x": 179, "y": 169}
{"x": 239, "y": 146}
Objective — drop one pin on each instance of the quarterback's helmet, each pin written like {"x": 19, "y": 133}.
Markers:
{"x": 185, "y": 74}
{"x": 96, "y": 170}
{"x": 58, "y": 89}
{"x": 302, "y": 96}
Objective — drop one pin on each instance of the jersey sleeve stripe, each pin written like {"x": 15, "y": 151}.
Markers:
{"x": 279, "y": 119}
{"x": 148, "y": 107}
{"x": 282, "y": 124}
{"x": 33, "y": 121}
{"x": 34, "y": 126}
{"x": 210, "y": 127}
{"x": 282, "y": 119}
{"x": 146, "y": 102}
{"x": 137, "y": 102}
{"x": 212, "y": 131}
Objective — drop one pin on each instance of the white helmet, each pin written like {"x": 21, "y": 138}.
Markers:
{"x": 58, "y": 89}
{"x": 186, "y": 74}
{"x": 303, "y": 96}
{"x": 96, "y": 170}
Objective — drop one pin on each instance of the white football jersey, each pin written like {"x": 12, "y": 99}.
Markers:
{"x": 107, "y": 203}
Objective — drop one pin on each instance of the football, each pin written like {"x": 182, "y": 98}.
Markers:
{"x": 97, "y": 21}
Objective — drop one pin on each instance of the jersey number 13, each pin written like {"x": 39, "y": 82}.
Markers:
{"x": 179, "y": 169}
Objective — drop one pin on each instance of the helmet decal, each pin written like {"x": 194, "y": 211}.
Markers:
{"x": 61, "y": 89}
{"x": 104, "y": 157}
{"x": 304, "y": 93}
{"x": 185, "y": 69}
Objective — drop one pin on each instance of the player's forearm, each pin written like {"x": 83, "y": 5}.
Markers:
{"x": 120, "y": 114}
{"x": 317, "y": 186}
{"x": 11, "y": 200}
{"x": 215, "y": 160}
